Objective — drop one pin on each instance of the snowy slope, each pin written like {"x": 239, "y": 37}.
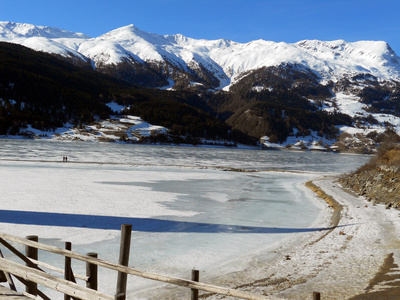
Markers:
{"x": 10, "y": 30}
{"x": 42, "y": 38}
{"x": 339, "y": 58}
{"x": 226, "y": 60}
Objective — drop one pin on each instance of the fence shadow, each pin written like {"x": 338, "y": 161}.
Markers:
{"x": 138, "y": 224}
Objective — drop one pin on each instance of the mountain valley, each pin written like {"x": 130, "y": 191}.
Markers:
{"x": 330, "y": 96}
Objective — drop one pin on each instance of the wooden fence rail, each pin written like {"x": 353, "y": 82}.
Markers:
{"x": 58, "y": 270}
{"x": 76, "y": 291}
{"x": 50, "y": 281}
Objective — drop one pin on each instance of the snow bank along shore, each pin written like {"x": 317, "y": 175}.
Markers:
{"x": 357, "y": 259}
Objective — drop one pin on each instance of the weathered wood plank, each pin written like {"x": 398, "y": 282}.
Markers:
{"x": 7, "y": 294}
{"x": 58, "y": 270}
{"x": 53, "y": 282}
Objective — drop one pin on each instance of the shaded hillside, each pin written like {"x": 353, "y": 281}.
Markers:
{"x": 185, "y": 120}
{"x": 277, "y": 121}
{"x": 47, "y": 91}
{"x": 40, "y": 89}
{"x": 273, "y": 101}
{"x": 275, "y": 80}
{"x": 379, "y": 180}
{"x": 180, "y": 118}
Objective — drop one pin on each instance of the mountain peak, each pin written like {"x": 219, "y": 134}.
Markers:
{"x": 13, "y": 30}
{"x": 133, "y": 34}
{"x": 128, "y": 29}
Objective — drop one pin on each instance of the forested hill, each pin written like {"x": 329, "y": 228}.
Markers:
{"x": 285, "y": 104}
{"x": 47, "y": 91}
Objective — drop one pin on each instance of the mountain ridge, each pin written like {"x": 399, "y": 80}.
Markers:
{"x": 224, "y": 59}
{"x": 30, "y": 30}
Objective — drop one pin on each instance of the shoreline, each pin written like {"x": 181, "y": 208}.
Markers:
{"x": 357, "y": 259}
{"x": 221, "y": 145}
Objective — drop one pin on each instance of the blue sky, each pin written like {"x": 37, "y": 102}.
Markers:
{"x": 238, "y": 20}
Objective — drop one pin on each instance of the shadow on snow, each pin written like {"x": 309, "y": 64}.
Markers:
{"x": 138, "y": 224}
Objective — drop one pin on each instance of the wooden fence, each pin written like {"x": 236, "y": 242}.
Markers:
{"x": 31, "y": 274}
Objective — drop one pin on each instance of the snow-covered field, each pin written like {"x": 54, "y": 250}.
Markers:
{"x": 186, "y": 211}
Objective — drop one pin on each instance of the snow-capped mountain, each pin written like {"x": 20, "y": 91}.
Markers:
{"x": 294, "y": 93}
{"x": 42, "y": 38}
{"x": 212, "y": 63}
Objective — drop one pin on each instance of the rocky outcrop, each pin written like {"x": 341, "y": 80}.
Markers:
{"x": 379, "y": 180}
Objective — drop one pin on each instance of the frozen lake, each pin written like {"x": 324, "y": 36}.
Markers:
{"x": 186, "y": 210}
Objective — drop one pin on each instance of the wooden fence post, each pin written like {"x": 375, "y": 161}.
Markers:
{"x": 67, "y": 268}
{"x": 195, "y": 292}
{"x": 316, "y": 296}
{"x": 91, "y": 273}
{"x": 126, "y": 230}
{"x": 32, "y": 252}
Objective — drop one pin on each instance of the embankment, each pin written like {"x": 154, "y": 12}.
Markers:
{"x": 379, "y": 180}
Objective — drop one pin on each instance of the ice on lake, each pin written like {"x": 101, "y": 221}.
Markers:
{"x": 186, "y": 210}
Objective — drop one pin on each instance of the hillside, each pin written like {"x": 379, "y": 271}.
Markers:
{"x": 379, "y": 180}
{"x": 40, "y": 93}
